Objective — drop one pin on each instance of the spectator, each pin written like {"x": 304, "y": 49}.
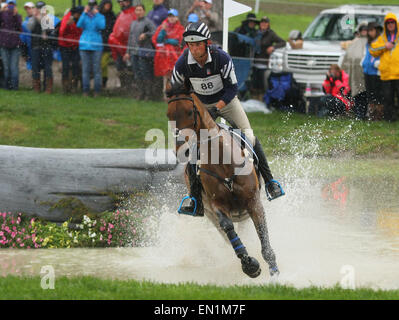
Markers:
{"x": 167, "y": 40}
{"x": 386, "y": 48}
{"x": 361, "y": 31}
{"x": 295, "y": 39}
{"x": 203, "y": 9}
{"x": 266, "y": 42}
{"x": 26, "y": 38}
{"x": 110, "y": 18}
{"x": 158, "y": 13}
{"x": 141, "y": 52}
{"x": 352, "y": 65}
{"x": 372, "y": 75}
{"x": 248, "y": 26}
{"x": 119, "y": 38}
{"x": 91, "y": 47}
{"x": 192, "y": 18}
{"x": 352, "y": 60}
{"x": 69, "y": 35}
{"x": 10, "y": 26}
{"x": 41, "y": 24}
{"x": 336, "y": 87}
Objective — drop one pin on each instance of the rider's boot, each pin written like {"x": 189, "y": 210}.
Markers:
{"x": 273, "y": 188}
{"x": 195, "y": 208}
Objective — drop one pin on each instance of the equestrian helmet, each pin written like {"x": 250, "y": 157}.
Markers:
{"x": 196, "y": 32}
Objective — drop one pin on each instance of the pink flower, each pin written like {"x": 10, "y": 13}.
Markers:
{"x": 18, "y": 220}
{"x": 1, "y": 233}
{"x": 110, "y": 225}
{"x": 14, "y": 228}
{"x": 18, "y": 240}
{"x": 13, "y": 235}
{"x": 110, "y": 236}
{"x": 102, "y": 229}
{"x": 21, "y": 244}
{"x": 32, "y": 220}
{"x": 23, "y": 229}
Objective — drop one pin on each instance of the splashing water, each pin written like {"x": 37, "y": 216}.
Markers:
{"x": 337, "y": 212}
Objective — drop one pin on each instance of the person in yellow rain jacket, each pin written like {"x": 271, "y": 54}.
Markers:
{"x": 386, "y": 47}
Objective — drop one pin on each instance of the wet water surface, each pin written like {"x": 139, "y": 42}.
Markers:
{"x": 324, "y": 226}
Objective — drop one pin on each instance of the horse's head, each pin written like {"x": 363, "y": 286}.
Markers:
{"x": 183, "y": 109}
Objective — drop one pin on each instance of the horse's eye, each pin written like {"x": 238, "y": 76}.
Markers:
{"x": 190, "y": 113}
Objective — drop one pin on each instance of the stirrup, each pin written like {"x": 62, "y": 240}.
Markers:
{"x": 182, "y": 211}
{"x": 271, "y": 197}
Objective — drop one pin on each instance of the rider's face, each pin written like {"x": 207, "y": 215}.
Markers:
{"x": 197, "y": 49}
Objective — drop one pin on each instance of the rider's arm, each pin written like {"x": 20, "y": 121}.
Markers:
{"x": 229, "y": 80}
{"x": 178, "y": 74}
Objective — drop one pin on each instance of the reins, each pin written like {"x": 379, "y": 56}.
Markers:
{"x": 227, "y": 182}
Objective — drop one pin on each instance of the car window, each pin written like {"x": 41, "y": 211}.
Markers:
{"x": 337, "y": 27}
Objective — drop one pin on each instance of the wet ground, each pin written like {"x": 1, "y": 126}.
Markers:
{"x": 337, "y": 217}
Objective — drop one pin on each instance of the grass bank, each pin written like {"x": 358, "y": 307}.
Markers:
{"x": 58, "y": 121}
{"x": 89, "y": 288}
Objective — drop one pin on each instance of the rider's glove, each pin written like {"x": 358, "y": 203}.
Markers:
{"x": 214, "y": 112}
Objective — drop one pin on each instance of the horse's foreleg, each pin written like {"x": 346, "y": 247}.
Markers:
{"x": 259, "y": 220}
{"x": 250, "y": 265}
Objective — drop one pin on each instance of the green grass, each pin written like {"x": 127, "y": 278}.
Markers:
{"x": 281, "y": 24}
{"x": 89, "y": 288}
{"x": 58, "y": 121}
{"x": 334, "y": 2}
{"x": 61, "y": 5}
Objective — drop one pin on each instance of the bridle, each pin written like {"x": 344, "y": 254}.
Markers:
{"x": 227, "y": 182}
{"x": 195, "y": 112}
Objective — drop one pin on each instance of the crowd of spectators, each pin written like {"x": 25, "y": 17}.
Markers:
{"x": 143, "y": 47}
{"x": 266, "y": 41}
{"x": 367, "y": 85}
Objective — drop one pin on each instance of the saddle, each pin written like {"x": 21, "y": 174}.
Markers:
{"x": 244, "y": 143}
{"x": 193, "y": 170}
{"x": 242, "y": 139}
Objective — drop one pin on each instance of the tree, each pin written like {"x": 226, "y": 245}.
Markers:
{"x": 183, "y": 6}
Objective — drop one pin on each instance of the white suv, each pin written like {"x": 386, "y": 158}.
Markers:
{"x": 321, "y": 46}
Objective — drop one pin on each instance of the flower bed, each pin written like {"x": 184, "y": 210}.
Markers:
{"x": 110, "y": 229}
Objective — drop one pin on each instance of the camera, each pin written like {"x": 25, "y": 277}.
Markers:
{"x": 92, "y": 4}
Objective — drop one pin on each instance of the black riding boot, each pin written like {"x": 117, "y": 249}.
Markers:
{"x": 273, "y": 189}
{"x": 195, "y": 192}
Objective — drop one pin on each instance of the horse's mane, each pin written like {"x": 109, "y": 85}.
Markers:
{"x": 178, "y": 89}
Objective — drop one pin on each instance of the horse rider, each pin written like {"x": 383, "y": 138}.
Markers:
{"x": 210, "y": 72}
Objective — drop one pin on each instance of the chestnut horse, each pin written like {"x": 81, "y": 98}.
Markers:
{"x": 227, "y": 195}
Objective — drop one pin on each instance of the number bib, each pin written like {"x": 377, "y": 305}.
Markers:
{"x": 207, "y": 86}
